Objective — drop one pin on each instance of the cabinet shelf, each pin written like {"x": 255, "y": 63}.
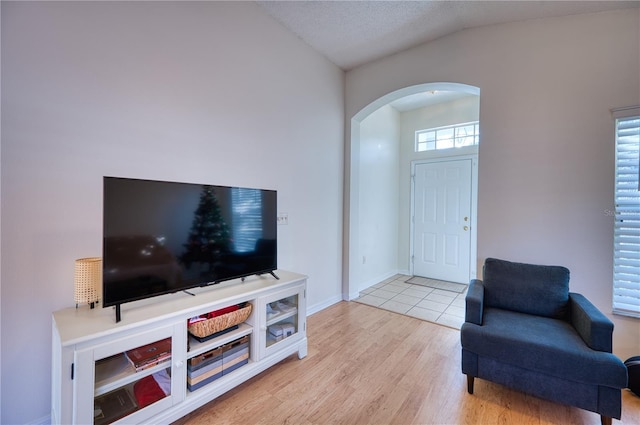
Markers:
{"x": 279, "y": 317}
{"x": 116, "y": 371}
{"x": 272, "y": 340}
{"x": 196, "y": 347}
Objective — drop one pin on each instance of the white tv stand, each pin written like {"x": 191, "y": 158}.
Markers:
{"x": 88, "y": 347}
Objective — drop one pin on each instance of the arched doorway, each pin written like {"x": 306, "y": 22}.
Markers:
{"x": 364, "y": 236}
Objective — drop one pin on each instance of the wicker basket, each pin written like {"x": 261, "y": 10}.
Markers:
{"x": 220, "y": 323}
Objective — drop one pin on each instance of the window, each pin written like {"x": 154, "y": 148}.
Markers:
{"x": 453, "y": 136}
{"x": 626, "y": 245}
{"x": 247, "y": 218}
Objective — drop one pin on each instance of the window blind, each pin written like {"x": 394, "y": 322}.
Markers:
{"x": 626, "y": 264}
{"x": 247, "y": 218}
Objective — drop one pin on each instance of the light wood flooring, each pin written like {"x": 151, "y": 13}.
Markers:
{"x": 370, "y": 366}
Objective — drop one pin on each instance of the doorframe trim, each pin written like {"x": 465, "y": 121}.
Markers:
{"x": 473, "y": 248}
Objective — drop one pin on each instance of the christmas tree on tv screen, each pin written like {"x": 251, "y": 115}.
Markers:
{"x": 209, "y": 236}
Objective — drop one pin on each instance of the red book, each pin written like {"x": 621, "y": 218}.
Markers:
{"x": 149, "y": 353}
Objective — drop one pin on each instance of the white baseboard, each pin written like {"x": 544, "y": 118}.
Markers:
{"x": 353, "y": 295}
{"x": 369, "y": 283}
{"x": 321, "y": 306}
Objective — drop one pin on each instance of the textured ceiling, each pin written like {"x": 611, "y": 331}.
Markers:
{"x": 352, "y": 33}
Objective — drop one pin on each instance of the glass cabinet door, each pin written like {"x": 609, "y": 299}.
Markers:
{"x": 282, "y": 322}
{"x": 131, "y": 376}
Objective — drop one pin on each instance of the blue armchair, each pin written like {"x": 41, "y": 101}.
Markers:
{"x": 525, "y": 330}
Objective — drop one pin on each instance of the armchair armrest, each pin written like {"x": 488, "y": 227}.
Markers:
{"x": 474, "y": 302}
{"x": 594, "y": 327}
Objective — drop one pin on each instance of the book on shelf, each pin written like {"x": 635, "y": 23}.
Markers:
{"x": 153, "y": 362}
{"x": 149, "y": 355}
{"x": 112, "y": 406}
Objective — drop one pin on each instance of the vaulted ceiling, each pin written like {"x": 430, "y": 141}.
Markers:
{"x": 352, "y": 33}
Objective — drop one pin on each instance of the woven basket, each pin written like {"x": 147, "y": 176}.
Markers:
{"x": 220, "y": 323}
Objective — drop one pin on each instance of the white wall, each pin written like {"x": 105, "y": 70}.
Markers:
{"x": 448, "y": 113}
{"x": 378, "y": 197}
{"x": 0, "y": 224}
{"x": 546, "y": 153}
{"x": 209, "y": 92}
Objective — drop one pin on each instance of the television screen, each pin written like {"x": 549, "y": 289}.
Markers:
{"x": 162, "y": 237}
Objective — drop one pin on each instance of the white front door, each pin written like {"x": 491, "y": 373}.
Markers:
{"x": 442, "y": 220}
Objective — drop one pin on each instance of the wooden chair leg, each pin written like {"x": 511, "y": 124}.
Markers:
{"x": 470, "y": 389}
{"x": 606, "y": 420}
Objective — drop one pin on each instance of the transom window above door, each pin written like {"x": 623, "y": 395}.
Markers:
{"x": 448, "y": 137}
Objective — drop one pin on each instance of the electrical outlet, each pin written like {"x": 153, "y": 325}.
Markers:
{"x": 283, "y": 218}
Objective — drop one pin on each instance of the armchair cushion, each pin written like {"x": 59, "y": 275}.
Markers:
{"x": 526, "y": 288}
{"x": 541, "y": 344}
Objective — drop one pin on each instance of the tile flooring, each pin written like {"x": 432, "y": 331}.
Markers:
{"x": 431, "y": 304}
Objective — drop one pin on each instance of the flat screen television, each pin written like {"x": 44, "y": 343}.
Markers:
{"x": 162, "y": 237}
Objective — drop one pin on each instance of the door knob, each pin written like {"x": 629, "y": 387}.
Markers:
{"x": 466, "y": 228}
